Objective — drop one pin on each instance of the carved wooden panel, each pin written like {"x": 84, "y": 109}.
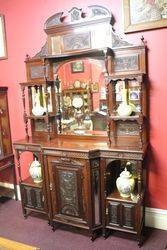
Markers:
{"x": 78, "y": 41}
{"x": 68, "y": 192}
{"x": 126, "y": 63}
{"x": 32, "y": 197}
{"x": 114, "y": 213}
{"x": 128, "y": 216}
{"x": 36, "y": 72}
{"x": 127, "y": 128}
{"x": 95, "y": 180}
{"x": 67, "y": 189}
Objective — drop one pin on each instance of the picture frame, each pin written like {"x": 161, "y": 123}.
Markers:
{"x": 94, "y": 87}
{"x": 77, "y": 67}
{"x": 140, "y": 15}
{"x": 3, "y": 48}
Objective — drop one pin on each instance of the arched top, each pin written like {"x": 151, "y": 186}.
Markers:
{"x": 76, "y": 15}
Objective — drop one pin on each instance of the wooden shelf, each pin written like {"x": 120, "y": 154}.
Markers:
{"x": 29, "y": 182}
{"x": 37, "y": 82}
{"x": 117, "y": 197}
{"x": 124, "y": 118}
{"x": 33, "y": 117}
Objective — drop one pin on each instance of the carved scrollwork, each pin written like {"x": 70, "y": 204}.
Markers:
{"x": 68, "y": 193}
{"x": 121, "y": 155}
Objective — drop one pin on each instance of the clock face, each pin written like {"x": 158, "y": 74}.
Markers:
{"x": 77, "y": 102}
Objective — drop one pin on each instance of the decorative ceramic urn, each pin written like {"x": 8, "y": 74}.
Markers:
{"x": 35, "y": 171}
{"x": 125, "y": 183}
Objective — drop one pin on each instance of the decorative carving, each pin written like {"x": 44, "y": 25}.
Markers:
{"x": 76, "y": 14}
{"x": 98, "y": 11}
{"x": 128, "y": 216}
{"x": 77, "y": 41}
{"x": 38, "y": 195}
{"x": 28, "y": 196}
{"x": 53, "y": 20}
{"x": 117, "y": 41}
{"x": 68, "y": 192}
{"x": 36, "y": 72}
{"x": 95, "y": 163}
{"x": 121, "y": 155}
{"x": 127, "y": 128}
{"x": 113, "y": 213}
{"x": 126, "y": 63}
{"x": 95, "y": 180}
{"x": 43, "y": 52}
{"x": 72, "y": 154}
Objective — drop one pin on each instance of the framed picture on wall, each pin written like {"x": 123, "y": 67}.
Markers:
{"x": 94, "y": 87}
{"x": 77, "y": 66}
{"x": 3, "y": 51}
{"x": 142, "y": 15}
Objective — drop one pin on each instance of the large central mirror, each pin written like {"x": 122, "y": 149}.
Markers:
{"x": 83, "y": 103}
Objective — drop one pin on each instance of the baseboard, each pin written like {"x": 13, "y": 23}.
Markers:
{"x": 154, "y": 217}
{"x": 9, "y": 185}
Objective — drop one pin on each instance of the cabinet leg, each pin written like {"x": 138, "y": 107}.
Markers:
{"x": 106, "y": 233}
{"x": 25, "y": 213}
{"x": 140, "y": 239}
{"x": 54, "y": 226}
{"x": 93, "y": 236}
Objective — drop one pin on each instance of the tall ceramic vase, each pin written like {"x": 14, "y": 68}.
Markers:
{"x": 124, "y": 108}
{"x": 38, "y": 110}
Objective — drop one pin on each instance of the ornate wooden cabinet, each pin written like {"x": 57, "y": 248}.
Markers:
{"x": 94, "y": 138}
{"x": 6, "y": 155}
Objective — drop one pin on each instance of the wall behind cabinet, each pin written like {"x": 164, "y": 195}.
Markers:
{"x": 24, "y": 28}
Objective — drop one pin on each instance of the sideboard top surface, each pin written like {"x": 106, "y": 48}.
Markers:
{"x": 75, "y": 145}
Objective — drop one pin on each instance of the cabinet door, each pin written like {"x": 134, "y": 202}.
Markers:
{"x": 32, "y": 197}
{"x": 66, "y": 190}
{"x": 128, "y": 216}
{"x": 113, "y": 213}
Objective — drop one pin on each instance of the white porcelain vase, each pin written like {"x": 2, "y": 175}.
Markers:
{"x": 125, "y": 183}
{"x": 35, "y": 171}
{"x": 124, "y": 109}
{"x": 37, "y": 109}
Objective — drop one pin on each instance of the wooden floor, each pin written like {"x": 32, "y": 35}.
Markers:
{"x": 6, "y": 244}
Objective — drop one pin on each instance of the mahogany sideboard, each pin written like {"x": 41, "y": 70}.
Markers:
{"x": 79, "y": 89}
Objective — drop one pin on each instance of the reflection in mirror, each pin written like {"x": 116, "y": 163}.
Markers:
{"x": 83, "y": 97}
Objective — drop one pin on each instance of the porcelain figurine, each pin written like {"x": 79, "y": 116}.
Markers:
{"x": 35, "y": 171}
{"x": 125, "y": 183}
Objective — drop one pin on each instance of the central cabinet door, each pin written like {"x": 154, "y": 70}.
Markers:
{"x": 67, "y": 188}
